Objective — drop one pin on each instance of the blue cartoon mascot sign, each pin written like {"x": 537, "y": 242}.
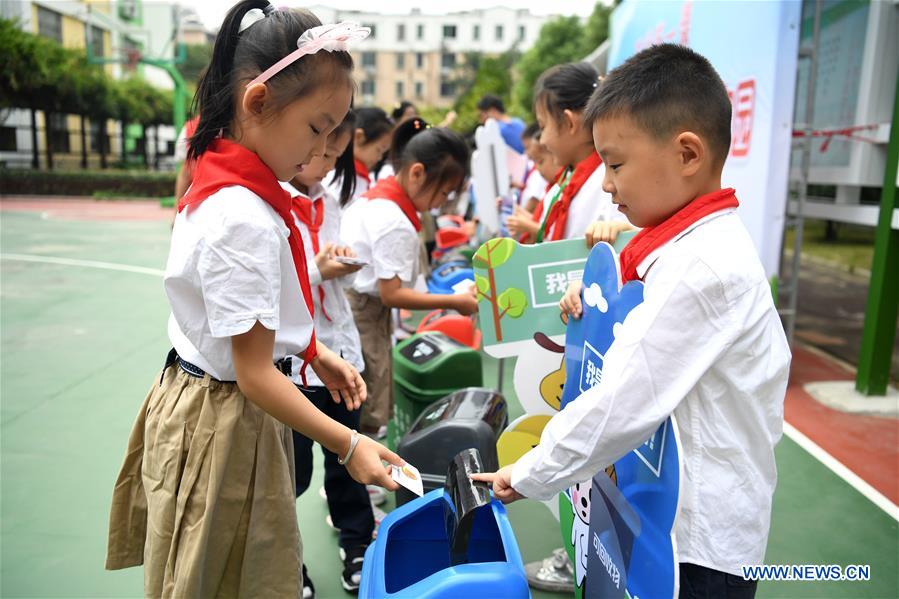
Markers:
{"x": 622, "y": 532}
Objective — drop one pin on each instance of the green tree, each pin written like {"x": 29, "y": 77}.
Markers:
{"x": 510, "y": 302}
{"x": 491, "y": 75}
{"x": 196, "y": 60}
{"x": 596, "y": 29}
{"x": 561, "y": 40}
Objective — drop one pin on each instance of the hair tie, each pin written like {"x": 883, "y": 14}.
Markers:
{"x": 253, "y": 16}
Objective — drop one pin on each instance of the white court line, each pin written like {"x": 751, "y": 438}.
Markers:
{"x": 834, "y": 465}
{"x": 838, "y": 468}
{"x": 84, "y": 263}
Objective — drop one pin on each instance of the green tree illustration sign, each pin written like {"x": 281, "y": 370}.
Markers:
{"x": 510, "y": 302}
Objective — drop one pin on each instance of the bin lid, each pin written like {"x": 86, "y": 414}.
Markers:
{"x": 431, "y": 361}
{"x": 466, "y": 497}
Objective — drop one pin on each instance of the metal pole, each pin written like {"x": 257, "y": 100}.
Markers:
{"x": 803, "y": 175}
{"x": 501, "y": 370}
{"x": 881, "y": 311}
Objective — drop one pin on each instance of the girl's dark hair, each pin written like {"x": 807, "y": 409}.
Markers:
{"x": 566, "y": 87}
{"x": 443, "y": 152}
{"x": 531, "y": 131}
{"x": 402, "y": 107}
{"x": 239, "y": 56}
{"x": 345, "y": 167}
{"x": 374, "y": 123}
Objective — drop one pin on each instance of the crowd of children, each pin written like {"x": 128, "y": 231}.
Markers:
{"x": 299, "y": 231}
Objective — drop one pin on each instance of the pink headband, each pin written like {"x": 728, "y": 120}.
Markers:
{"x": 331, "y": 38}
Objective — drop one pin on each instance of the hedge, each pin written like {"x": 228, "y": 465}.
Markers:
{"x": 86, "y": 183}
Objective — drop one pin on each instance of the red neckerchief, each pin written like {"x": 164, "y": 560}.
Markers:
{"x": 558, "y": 214}
{"x": 226, "y": 163}
{"x": 652, "y": 238}
{"x": 362, "y": 170}
{"x": 312, "y": 213}
{"x": 389, "y": 189}
{"x": 538, "y": 211}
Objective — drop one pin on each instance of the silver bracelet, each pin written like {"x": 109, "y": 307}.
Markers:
{"x": 354, "y": 440}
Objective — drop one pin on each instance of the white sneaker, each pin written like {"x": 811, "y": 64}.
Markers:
{"x": 376, "y": 494}
{"x": 330, "y": 523}
{"x": 322, "y": 494}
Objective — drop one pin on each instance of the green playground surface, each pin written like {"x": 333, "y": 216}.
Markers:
{"x": 81, "y": 344}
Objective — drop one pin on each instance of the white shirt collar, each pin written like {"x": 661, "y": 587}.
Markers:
{"x": 647, "y": 262}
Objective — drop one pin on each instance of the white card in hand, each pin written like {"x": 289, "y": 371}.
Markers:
{"x": 408, "y": 476}
{"x": 463, "y": 286}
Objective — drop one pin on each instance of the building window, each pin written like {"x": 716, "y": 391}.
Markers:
{"x": 419, "y": 89}
{"x": 368, "y": 87}
{"x": 371, "y": 26}
{"x": 419, "y": 60}
{"x": 368, "y": 59}
{"x": 449, "y": 32}
{"x": 58, "y": 133}
{"x": 400, "y": 92}
{"x": 95, "y": 40}
{"x": 447, "y": 89}
{"x": 8, "y": 139}
{"x": 476, "y": 33}
{"x": 49, "y": 23}
{"x": 521, "y": 32}
{"x": 498, "y": 32}
{"x": 448, "y": 60}
{"x": 401, "y": 32}
{"x": 419, "y": 31}
{"x": 400, "y": 60}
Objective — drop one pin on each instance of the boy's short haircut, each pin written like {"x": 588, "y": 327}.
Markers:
{"x": 489, "y": 101}
{"x": 531, "y": 131}
{"x": 667, "y": 89}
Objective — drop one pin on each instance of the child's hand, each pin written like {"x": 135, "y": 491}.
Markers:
{"x": 521, "y": 221}
{"x": 331, "y": 268}
{"x": 366, "y": 466}
{"x": 570, "y": 304}
{"x": 467, "y": 303}
{"x": 342, "y": 380}
{"x": 606, "y": 230}
{"x": 502, "y": 484}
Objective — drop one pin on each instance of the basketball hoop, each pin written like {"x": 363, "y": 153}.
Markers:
{"x": 132, "y": 58}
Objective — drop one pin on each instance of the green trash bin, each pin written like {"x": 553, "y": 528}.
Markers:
{"x": 427, "y": 367}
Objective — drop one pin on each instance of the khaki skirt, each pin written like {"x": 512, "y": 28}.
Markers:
{"x": 375, "y": 324}
{"x": 205, "y": 497}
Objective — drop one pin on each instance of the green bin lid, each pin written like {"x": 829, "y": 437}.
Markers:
{"x": 431, "y": 365}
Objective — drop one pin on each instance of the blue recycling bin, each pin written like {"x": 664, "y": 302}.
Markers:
{"x": 412, "y": 556}
{"x": 446, "y": 275}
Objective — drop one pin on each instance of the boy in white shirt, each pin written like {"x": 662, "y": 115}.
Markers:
{"x": 705, "y": 345}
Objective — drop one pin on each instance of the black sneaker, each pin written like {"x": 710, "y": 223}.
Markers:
{"x": 308, "y": 587}
{"x": 352, "y": 567}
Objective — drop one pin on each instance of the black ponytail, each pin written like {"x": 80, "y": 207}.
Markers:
{"x": 345, "y": 167}
{"x": 239, "y": 56}
{"x": 373, "y": 122}
{"x": 443, "y": 152}
{"x": 566, "y": 87}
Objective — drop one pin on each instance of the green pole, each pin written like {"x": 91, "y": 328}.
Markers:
{"x": 883, "y": 292}
{"x": 179, "y": 113}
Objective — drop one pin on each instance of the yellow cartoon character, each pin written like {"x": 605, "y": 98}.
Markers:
{"x": 552, "y": 384}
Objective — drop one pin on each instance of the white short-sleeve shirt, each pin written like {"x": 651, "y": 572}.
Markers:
{"x": 339, "y": 333}
{"x": 230, "y": 266}
{"x": 381, "y": 234}
{"x": 333, "y": 187}
{"x": 534, "y": 187}
{"x": 591, "y": 204}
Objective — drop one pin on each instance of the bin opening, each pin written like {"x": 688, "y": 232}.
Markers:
{"x": 419, "y": 544}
